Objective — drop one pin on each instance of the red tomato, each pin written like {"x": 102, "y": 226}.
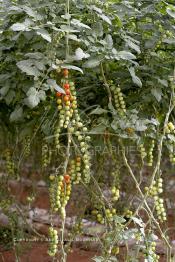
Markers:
{"x": 66, "y": 86}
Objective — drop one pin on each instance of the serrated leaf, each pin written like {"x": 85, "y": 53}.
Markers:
{"x": 27, "y": 67}
{"x": 4, "y": 90}
{"x": 105, "y": 18}
{"x": 97, "y": 30}
{"x": 98, "y": 129}
{"x": 92, "y": 62}
{"x": 32, "y": 13}
{"x": 133, "y": 46}
{"x": 118, "y": 219}
{"x": 76, "y": 22}
{"x": 126, "y": 55}
{"x": 76, "y": 68}
{"x": 73, "y": 37}
{"x": 42, "y": 95}
{"x": 163, "y": 82}
{"x": 35, "y": 55}
{"x": 32, "y": 100}
{"x": 135, "y": 78}
{"x": 39, "y": 65}
{"x": 9, "y": 97}
{"x": 18, "y": 27}
{"x": 52, "y": 83}
{"x": 32, "y": 91}
{"x": 16, "y": 115}
{"x": 80, "y": 54}
{"x": 44, "y": 34}
{"x": 140, "y": 125}
{"x": 98, "y": 259}
{"x": 98, "y": 111}
{"x": 109, "y": 41}
{"x": 157, "y": 93}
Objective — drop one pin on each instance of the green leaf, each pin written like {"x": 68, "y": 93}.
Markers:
{"x": 133, "y": 46}
{"x": 98, "y": 129}
{"x": 18, "y": 27}
{"x": 135, "y": 78}
{"x": 4, "y": 90}
{"x": 105, "y": 18}
{"x": 97, "y": 29}
{"x": 44, "y": 34}
{"x": 98, "y": 111}
{"x": 126, "y": 55}
{"x": 33, "y": 98}
{"x": 140, "y": 125}
{"x": 9, "y": 97}
{"x": 109, "y": 41}
{"x": 77, "y": 23}
{"x": 92, "y": 62}
{"x": 76, "y": 68}
{"x": 16, "y": 115}
{"x": 171, "y": 12}
{"x": 27, "y": 67}
{"x": 80, "y": 54}
{"x": 157, "y": 93}
{"x": 42, "y": 95}
{"x": 32, "y": 13}
{"x": 118, "y": 219}
{"x": 98, "y": 259}
{"x": 52, "y": 83}
{"x": 163, "y": 82}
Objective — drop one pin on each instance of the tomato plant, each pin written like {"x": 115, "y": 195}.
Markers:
{"x": 87, "y": 99}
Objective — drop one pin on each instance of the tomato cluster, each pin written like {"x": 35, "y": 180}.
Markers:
{"x": 150, "y": 252}
{"x": 46, "y": 155}
{"x": 69, "y": 118}
{"x": 150, "y": 153}
{"x": 142, "y": 151}
{"x": 60, "y": 191}
{"x": 170, "y": 130}
{"x": 10, "y": 165}
{"x": 104, "y": 215}
{"x": 75, "y": 170}
{"x": 154, "y": 191}
{"x": 53, "y": 235}
{"x": 115, "y": 193}
{"x": 119, "y": 100}
{"x": 27, "y": 144}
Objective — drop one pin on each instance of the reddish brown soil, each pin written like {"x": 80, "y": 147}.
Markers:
{"x": 38, "y": 253}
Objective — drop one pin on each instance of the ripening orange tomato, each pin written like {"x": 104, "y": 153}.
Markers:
{"x": 65, "y": 72}
{"x": 68, "y": 92}
{"x": 58, "y": 94}
{"x": 67, "y": 179}
{"x": 78, "y": 159}
{"x": 66, "y": 98}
